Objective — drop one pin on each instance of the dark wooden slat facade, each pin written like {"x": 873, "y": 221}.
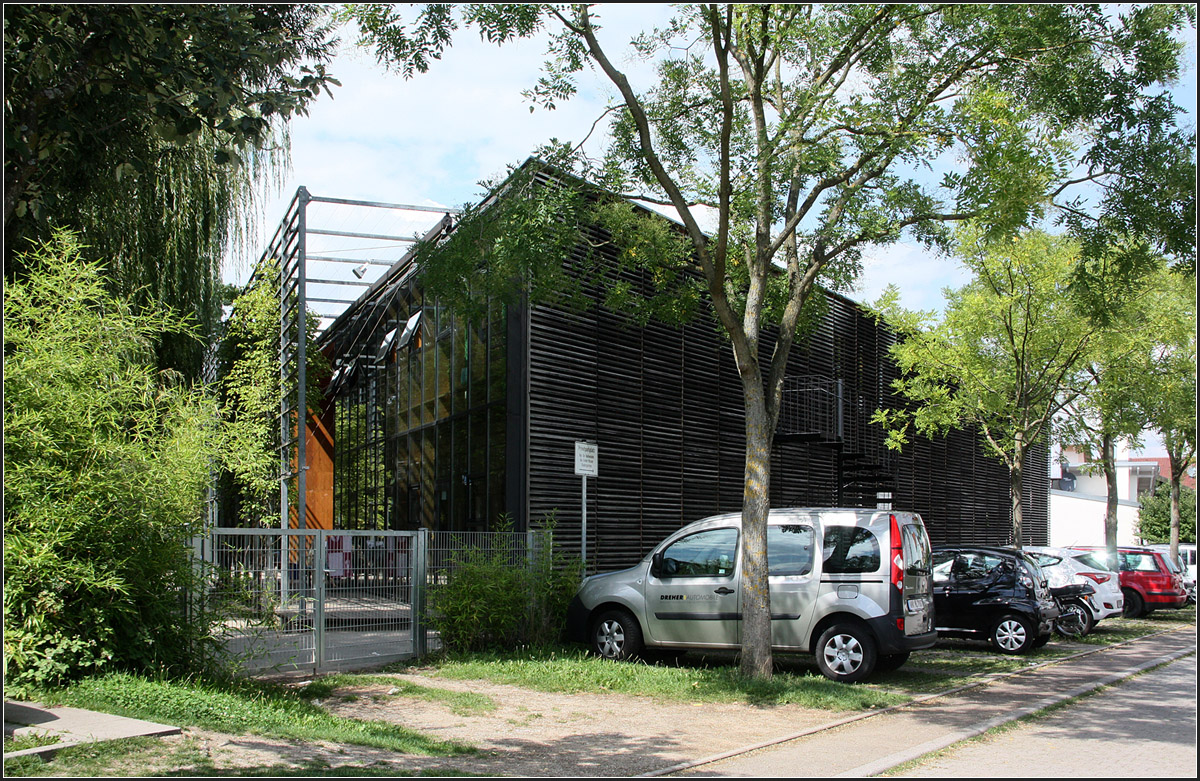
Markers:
{"x": 423, "y": 441}
{"x": 664, "y": 406}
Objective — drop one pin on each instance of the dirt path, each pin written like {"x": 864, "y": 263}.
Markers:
{"x": 529, "y": 733}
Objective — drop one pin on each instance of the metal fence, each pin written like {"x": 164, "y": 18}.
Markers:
{"x": 318, "y": 600}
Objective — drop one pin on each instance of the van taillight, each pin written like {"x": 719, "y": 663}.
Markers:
{"x": 897, "y": 555}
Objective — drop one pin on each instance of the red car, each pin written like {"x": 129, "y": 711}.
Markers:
{"x": 1148, "y": 581}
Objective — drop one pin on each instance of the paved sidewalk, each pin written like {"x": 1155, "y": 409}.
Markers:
{"x": 867, "y": 746}
{"x": 72, "y": 726}
{"x": 1143, "y": 727}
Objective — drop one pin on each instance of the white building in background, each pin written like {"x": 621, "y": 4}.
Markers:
{"x": 1079, "y": 496}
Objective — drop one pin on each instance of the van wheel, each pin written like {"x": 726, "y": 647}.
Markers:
{"x": 616, "y": 635}
{"x": 1135, "y": 606}
{"x": 846, "y": 653}
{"x": 1012, "y": 635}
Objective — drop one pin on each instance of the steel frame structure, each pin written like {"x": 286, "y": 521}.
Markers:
{"x": 320, "y": 242}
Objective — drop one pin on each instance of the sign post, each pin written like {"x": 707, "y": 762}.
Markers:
{"x": 586, "y": 465}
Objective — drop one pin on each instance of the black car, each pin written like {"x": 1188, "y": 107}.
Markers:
{"x": 992, "y": 593}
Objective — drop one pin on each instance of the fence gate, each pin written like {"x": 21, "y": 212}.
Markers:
{"x": 316, "y": 599}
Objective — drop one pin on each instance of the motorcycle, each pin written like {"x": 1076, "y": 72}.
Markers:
{"x": 1077, "y": 613}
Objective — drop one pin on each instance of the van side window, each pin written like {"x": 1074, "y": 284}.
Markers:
{"x": 789, "y": 549}
{"x": 850, "y": 549}
{"x": 703, "y": 554}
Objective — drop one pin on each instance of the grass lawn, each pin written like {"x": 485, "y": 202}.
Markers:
{"x": 247, "y": 707}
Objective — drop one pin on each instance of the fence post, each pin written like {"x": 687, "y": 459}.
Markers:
{"x": 193, "y": 602}
{"x": 319, "y": 598}
{"x": 420, "y": 583}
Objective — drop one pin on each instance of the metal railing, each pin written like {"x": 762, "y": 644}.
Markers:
{"x": 317, "y": 600}
{"x": 812, "y": 408}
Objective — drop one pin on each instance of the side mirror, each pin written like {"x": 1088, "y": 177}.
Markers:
{"x": 656, "y": 564}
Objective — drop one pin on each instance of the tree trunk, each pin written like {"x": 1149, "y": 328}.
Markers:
{"x": 1175, "y": 516}
{"x": 1016, "y": 474}
{"x": 1108, "y": 459}
{"x": 756, "y": 659}
{"x": 1177, "y": 465}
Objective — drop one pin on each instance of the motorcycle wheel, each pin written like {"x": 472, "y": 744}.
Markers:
{"x": 1075, "y": 620}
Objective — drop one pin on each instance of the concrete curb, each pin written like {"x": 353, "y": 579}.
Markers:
{"x": 73, "y": 727}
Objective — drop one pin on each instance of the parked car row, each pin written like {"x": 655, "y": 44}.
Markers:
{"x": 1150, "y": 580}
{"x": 860, "y": 590}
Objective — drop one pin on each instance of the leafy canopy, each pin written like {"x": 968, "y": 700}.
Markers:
{"x": 145, "y": 128}
{"x": 1005, "y": 357}
{"x": 1139, "y": 363}
{"x": 1007, "y": 350}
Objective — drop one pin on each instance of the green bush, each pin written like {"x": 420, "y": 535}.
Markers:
{"x": 105, "y": 466}
{"x": 500, "y": 597}
{"x": 1154, "y": 519}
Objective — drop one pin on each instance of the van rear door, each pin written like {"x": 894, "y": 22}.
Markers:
{"x": 917, "y": 594}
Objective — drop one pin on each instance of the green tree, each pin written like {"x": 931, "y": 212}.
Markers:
{"x": 1156, "y": 519}
{"x": 249, "y": 396}
{"x": 1169, "y": 403}
{"x": 143, "y": 127}
{"x": 1107, "y": 406}
{"x": 105, "y": 466}
{"x": 1004, "y": 357}
{"x": 804, "y": 129}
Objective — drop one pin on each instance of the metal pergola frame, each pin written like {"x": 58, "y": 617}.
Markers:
{"x": 324, "y": 269}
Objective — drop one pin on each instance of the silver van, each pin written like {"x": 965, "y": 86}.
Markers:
{"x": 852, "y": 586}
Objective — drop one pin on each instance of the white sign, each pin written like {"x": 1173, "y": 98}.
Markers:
{"x": 587, "y": 456}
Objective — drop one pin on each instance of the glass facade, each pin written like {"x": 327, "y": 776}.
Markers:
{"x": 420, "y": 419}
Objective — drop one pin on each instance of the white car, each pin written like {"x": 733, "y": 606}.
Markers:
{"x": 1065, "y": 565}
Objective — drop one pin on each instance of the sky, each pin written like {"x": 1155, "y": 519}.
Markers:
{"x": 431, "y": 139}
